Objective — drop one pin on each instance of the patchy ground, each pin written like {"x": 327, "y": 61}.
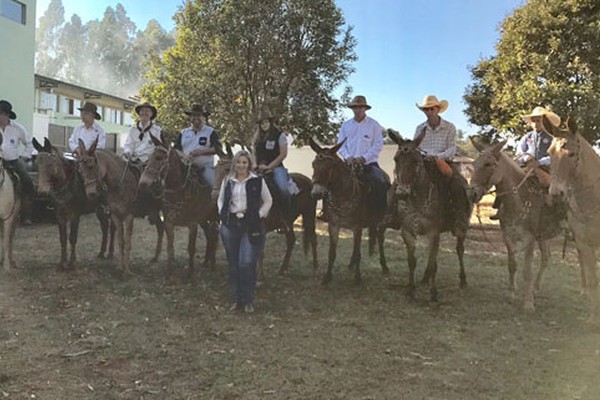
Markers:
{"x": 92, "y": 335}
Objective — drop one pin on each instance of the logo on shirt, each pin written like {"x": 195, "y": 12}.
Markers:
{"x": 202, "y": 141}
{"x": 12, "y": 141}
{"x": 270, "y": 144}
{"x": 546, "y": 140}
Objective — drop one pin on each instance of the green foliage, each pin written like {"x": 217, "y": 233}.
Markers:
{"x": 547, "y": 55}
{"x": 238, "y": 57}
{"x": 47, "y": 36}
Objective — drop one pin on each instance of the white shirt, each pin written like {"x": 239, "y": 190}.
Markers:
{"x": 238, "y": 197}
{"x": 13, "y": 135}
{"x": 439, "y": 142}
{"x": 363, "y": 139}
{"x": 141, "y": 148}
{"x": 88, "y": 136}
{"x": 192, "y": 140}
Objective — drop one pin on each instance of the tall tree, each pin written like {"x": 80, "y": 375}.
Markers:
{"x": 241, "y": 56}
{"x": 72, "y": 44}
{"x": 48, "y": 60}
{"x": 547, "y": 55}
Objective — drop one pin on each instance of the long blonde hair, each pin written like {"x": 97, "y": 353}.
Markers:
{"x": 236, "y": 157}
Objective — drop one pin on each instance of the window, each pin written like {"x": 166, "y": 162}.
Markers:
{"x": 127, "y": 119}
{"x": 47, "y": 101}
{"x": 13, "y": 9}
{"x": 113, "y": 116}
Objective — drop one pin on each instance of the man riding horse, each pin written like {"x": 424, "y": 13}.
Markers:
{"x": 139, "y": 145}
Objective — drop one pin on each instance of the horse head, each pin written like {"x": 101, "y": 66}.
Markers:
{"x": 156, "y": 166}
{"x": 50, "y": 166}
{"x": 565, "y": 153}
{"x": 87, "y": 164}
{"x": 409, "y": 164}
{"x": 325, "y": 165}
{"x": 486, "y": 172}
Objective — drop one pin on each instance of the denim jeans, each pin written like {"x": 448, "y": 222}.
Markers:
{"x": 242, "y": 257}
{"x": 379, "y": 187}
{"x": 281, "y": 178}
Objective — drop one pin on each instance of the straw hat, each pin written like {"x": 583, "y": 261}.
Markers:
{"x": 359, "y": 101}
{"x": 146, "y": 105}
{"x": 6, "y": 107}
{"x": 92, "y": 108}
{"x": 431, "y": 101}
{"x": 540, "y": 111}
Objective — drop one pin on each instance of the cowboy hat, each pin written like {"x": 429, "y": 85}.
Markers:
{"x": 197, "y": 109}
{"x": 540, "y": 111}
{"x": 359, "y": 101}
{"x": 431, "y": 101}
{"x": 264, "y": 115}
{"x": 148, "y": 106}
{"x": 92, "y": 108}
{"x": 6, "y": 107}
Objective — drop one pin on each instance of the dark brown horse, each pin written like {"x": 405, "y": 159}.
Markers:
{"x": 525, "y": 216}
{"x": 106, "y": 174}
{"x": 423, "y": 210}
{"x": 303, "y": 204}
{"x": 186, "y": 202}
{"x": 58, "y": 178}
{"x": 339, "y": 184}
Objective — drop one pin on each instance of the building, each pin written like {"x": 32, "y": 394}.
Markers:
{"x": 56, "y": 113}
{"x": 17, "y": 33}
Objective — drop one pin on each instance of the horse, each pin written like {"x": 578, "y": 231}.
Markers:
{"x": 525, "y": 216}
{"x": 575, "y": 176}
{"x": 339, "y": 184}
{"x": 58, "y": 178}
{"x": 106, "y": 174}
{"x": 187, "y": 200}
{"x": 10, "y": 208}
{"x": 302, "y": 204}
{"x": 422, "y": 210}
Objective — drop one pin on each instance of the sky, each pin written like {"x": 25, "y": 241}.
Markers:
{"x": 406, "y": 49}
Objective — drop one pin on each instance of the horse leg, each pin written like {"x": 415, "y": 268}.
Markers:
{"x": 104, "y": 226}
{"x": 512, "y": 263}
{"x": 583, "y": 272}
{"x": 212, "y": 241}
{"x": 357, "y": 242}
{"x": 334, "y": 233}
{"x": 528, "y": 301}
{"x": 160, "y": 233}
{"x": 192, "y": 235}
{"x": 460, "y": 251}
{"x": 355, "y": 258}
{"x": 381, "y": 241}
{"x": 6, "y": 243}
{"x": 410, "y": 241}
{"x": 73, "y": 234}
{"x": 119, "y": 236}
{"x": 544, "y": 257}
{"x": 170, "y": 233}
{"x": 373, "y": 235}
{"x": 434, "y": 247}
{"x": 587, "y": 258}
{"x": 12, "y": 229}
{"x": 290, "y": 241}
{"x": 112, "y": 235}
{"x": 62, "y": 233}
{"x": 128, "y": 222}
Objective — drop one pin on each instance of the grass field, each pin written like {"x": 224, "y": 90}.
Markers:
{"x": 90, "y": 334}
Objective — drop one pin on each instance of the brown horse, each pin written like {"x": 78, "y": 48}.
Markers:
{"x": 106, "y": 174}
{"x": 423, "y": 210}
{"x": 339, "y": 184}
{"x": 10, "y": 208}
{"x": 58, "y": 178}
{"x": 525, "y": 217}
{"x": 302, "y": 204}
{"x": 575, "y": 175}
{"x": 187, "y": 200}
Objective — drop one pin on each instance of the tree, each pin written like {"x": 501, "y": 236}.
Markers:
{"x": 547, "y": 55}
{"x": 48, "y": 58}
{"x": 72, "y": 43}
{"x": 239, "y": 57}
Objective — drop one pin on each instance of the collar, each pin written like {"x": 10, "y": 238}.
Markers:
{"x": 250, "y": 176}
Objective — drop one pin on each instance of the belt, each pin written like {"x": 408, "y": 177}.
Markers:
{"x": 238, "y": 215}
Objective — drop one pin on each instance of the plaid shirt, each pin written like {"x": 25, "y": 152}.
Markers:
{"x": 439, "y": 142}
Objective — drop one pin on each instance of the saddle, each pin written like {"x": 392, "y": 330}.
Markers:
{"x": 14, "y": 176}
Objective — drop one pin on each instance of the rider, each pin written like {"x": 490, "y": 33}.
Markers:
{"x": 438, "y": 142}
{"x": 534, "y": 144}
{"x": 270, "y": 149}
{"x": 138, "y": 145}
{"x": 200, "y": 142}
{"x": 90, "y": 130}
{"x": 363, "y": 142}
{"x": 13, "y": 135}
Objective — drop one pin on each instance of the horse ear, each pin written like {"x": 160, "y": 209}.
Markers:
{"x": 93, "y": 146}
{"x": 338, "y": 146}
{"x": 571, "y": 125}
{"x": 229, "y": 150}
{"x": 497, "y": 148}
{"x": 81, "y": 146}
{"x": 421, "y": 136}
{"x": 47, "y": 145}
{"x": 37, "y": 145}
{"x": 314, "y": 145}
{"x": 477, "y": 144}
{"x": 394, "y": 136}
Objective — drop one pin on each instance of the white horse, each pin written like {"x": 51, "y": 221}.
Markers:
{"x": 10, "y": 208}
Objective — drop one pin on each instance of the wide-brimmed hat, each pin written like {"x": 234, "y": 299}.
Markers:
{"x": 91, "y": 107}
{"x": 359, "y": 101}
{"x": 431, "y": 101}
{"x": 197, "y": 109}
{"x": 148, "y": 106}
{"x": 540, "y": 111}
{"x": 6, "y": 107}
{"x": 265, "y": 114}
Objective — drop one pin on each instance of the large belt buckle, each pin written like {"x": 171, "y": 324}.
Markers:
{"x": 239, "y": 215}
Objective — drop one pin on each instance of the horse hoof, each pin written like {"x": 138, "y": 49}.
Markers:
{"x": 326, "y": 279}
{"x": 385, "y": 271}
{"x": 529, "y": 307}
{"x": 100, "y": 256}
{"x": 463, "y": 284}
{"x": 153, "y": 260}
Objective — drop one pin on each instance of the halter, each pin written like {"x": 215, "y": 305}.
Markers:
{"x": 68, "y": 177}
{"x": 354, "y": 170}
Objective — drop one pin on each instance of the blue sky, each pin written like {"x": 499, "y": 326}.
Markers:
{"x": 406, "y": 49}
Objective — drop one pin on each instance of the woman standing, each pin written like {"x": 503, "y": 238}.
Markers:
{"x": 244, "y": 200}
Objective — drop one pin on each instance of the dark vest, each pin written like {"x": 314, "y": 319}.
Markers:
{"x": 253, "y": 198}
{"x": 544, "y": 140}
{"x": 267, "y": 149}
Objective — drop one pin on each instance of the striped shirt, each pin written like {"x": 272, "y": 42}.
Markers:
{"x": 439, "y": 142}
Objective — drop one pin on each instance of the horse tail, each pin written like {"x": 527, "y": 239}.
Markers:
{"x": 309, "y": 234}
